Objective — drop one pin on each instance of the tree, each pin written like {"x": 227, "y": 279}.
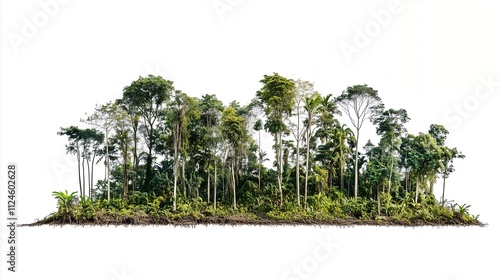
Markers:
{"x": 448, "y": 167}
{"x": 211, "y": 111}
{"x": 424, "y": 158}
{"x": 390, "y": 125}
{"x": 147, "y": 95}
{"x": 182, "y": 110}
{"x": 258, "y": 127}
{"x": 312, "y": 106}
{"x": 277, "y": 97}
{"x": 74, "y": 138}
{"x": 302, "y": 89}
{"x": 357, "y": 102}
{"x": 234, "y": 130}
{"x": 122, "y": 125}
{"x": 440, "y": 133}
{"x": 133, "y": 118}
{"x": 84, "y": 143}
{"x": 103, "y": 118}
{"x": 92, "y": 141}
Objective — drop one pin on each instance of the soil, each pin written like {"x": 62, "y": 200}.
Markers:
{"x": 238, "y": 220}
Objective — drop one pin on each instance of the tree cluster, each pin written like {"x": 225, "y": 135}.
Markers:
{"x": 158, "y": 140}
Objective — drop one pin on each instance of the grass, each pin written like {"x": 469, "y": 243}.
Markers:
{"x": 141, "y": 209}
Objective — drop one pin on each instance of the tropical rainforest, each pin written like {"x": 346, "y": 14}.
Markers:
{"x": 171, "y": 158}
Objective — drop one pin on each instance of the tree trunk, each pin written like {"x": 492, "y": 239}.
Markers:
{"x": 184, "y": 176}
{"x": 83, "y": 175}
{"x": 280, "y": 166}
{"x": 444, "y": 185}
{"x": 341, "y": 178}
{"x": 407, "y": 179}
{"x": 215, "y": 184}
{"x": 79, "y": 175}
{"x": 107, "y": 162}
{"x": 378, "y": 201}
{"x": 234, "y": 182}
{"x": 223, "y": 180}
{"x": 260, "y": 160}
{"x": 416, "y": 191}
{"x": 149, "y": 161}
{"x": 176, "y": 167}
{"x": 297, "y": 164}
{"x": 92, "y": 178}
{"x": 306, "y": 179}
{"x": 89, "y": 176}
{"x": 208, "y": 183}
{"x": 125, "y": 172}
{"x": 356, "y": 165}
{"x": 390, "y": 174}
{"x": 136, "y": 159}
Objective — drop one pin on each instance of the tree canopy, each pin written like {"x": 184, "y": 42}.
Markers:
{"x": 162, "y": 147}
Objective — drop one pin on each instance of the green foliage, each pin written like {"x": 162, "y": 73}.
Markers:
{"x": 64, "y": 200}
{"x": 204, "y": 152}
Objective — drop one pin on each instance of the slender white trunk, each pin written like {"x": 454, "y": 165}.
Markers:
{"x": 280, "y": 167}
{"x": 176, "y": 164}
{"x": 234, "y": 181}
{"x": 107, "y": 164}
{"x": 79, "y": 174}
{"x": 444, "y": 185}
{"x": 356, "y": 165}
{"x": 297, "y": 173}
{"x": 208, "y": 183}
{"x": 83, "y": 175}
{"x": 306, "y": 179}
{"x": 390, "y": 174}
{"x": 260, "y": 160}
{"x": 215, "y": 184}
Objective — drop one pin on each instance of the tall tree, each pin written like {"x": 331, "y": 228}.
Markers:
{"x": 425, "y": 160}
{"x": 86, "y": 145}
{"x": 182, "y": 110}
{"x": 440, "y": 133}
{"x": 390, "y": 125}
{"x": 103, "y": 118}
{"x": 357, "y": 102}
{"x": 448, "y": 167}
{"x": 258, "y": 127}
{"x": 302, "y": 89}
{"x": 211, "y": 111}
{"x": 313, "y": 104}
{"x": 277, "y": 97}
{"x": 148, "y": 95}
{"x": 133, "y": 118}
{"x": 92, "y": 141}
{"x": 74, "y": 137}
{"x": 234, "y": 130}
{"x": 122, "y": 125}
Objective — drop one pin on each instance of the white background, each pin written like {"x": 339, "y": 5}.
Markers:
{"x": 429, "y": 57}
